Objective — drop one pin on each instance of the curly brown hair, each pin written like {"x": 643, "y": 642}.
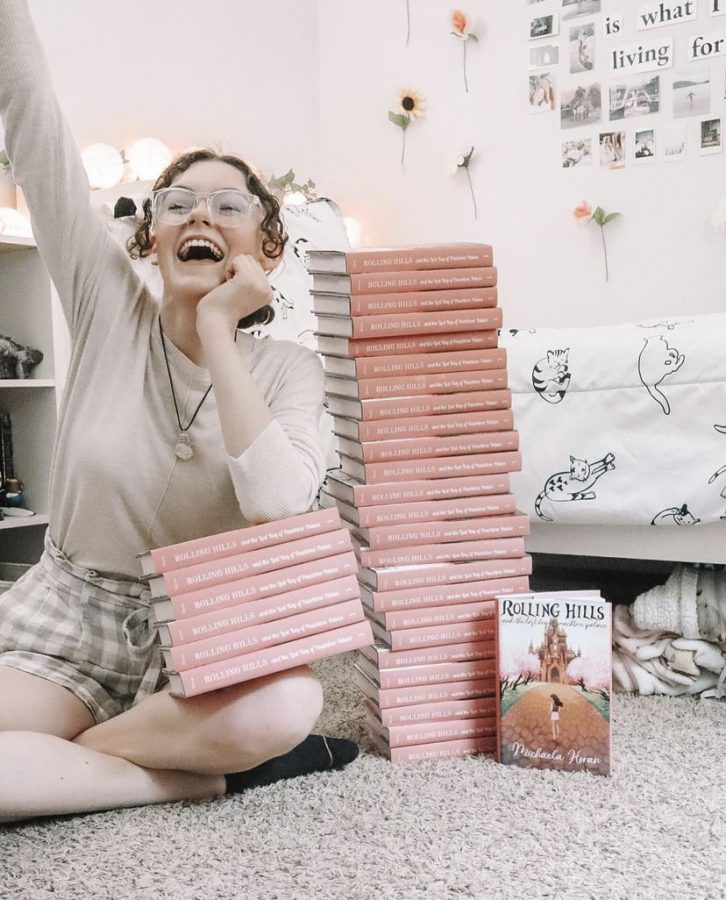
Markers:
{"x": 275, "y": 237}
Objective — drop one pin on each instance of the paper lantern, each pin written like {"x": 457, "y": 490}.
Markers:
{"x": 104, "y": 165}
{"x": 148, "y": 157}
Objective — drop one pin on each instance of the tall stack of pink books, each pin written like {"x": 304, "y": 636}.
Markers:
{"x": 245, "y": 603}
{"x": 417, "y": 389}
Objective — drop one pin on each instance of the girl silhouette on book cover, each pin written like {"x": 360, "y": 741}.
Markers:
{"x": 557, "y": 704}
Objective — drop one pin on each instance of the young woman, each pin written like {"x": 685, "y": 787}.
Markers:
{"x": 174, "y": 425}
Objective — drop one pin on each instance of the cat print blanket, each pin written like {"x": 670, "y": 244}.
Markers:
{"x": 621, "y": 424}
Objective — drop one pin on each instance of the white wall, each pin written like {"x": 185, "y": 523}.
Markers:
{"x": 194, "y": 73}
{"x": 664, "y": 257}
{"x": 238, "y": 73}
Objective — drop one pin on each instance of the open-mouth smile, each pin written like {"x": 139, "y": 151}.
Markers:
{"x": 200, "y": 250}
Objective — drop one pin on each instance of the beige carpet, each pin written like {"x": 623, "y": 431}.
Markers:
{"x": 461, "y": 828}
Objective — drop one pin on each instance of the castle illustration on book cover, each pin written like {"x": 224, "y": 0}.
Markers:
{"x": 555, "y": 682}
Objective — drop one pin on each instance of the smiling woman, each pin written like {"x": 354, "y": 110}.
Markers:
{"x": 86, "y": 719}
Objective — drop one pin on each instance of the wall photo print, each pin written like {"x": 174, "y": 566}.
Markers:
{"x": 542, "y": 92}
{"x": 582, "y": 48}
{"x": 573, "y": 8}
{"x": 543, "y": 55}
{"x": 645, "y": 146}
{"x": 636, "y": 96}
{"x": 711, "y": 141}
{"x": 581, "y": 105}
{"x": 612, "y": 149}
{"x": 691, "y": 92}
{"x": 674, "y": 143}
{"x": 577, "y": 153}
{"x": 544, "y": 26}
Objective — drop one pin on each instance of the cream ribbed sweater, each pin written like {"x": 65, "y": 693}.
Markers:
{"x": 117, "y": 488}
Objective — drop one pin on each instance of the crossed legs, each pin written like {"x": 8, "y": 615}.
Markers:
{"x": 55, "y": 760}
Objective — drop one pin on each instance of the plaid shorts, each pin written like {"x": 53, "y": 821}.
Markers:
{"x": 83, "y": 631}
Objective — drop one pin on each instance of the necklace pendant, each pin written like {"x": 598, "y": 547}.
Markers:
{"x": 183, "y": 448}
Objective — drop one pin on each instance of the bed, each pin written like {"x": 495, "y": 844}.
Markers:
{"x": 623, "y": 438}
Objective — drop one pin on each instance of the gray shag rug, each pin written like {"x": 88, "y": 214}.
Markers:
{"x": 455, "y": 828}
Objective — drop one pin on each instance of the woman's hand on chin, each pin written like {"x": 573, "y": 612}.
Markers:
{"x": 245, "y": 290}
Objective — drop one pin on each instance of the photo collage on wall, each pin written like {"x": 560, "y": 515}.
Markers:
{"x": 602, "y": 73}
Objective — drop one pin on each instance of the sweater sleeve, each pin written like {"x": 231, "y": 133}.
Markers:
{"x": 73, "y": 241}
{"x": 280, "y": 473}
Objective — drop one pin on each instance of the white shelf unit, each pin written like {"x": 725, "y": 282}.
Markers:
{"x": 30, "y": 314}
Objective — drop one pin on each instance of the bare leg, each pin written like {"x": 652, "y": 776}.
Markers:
{"x": 43, "y": 773}
{"x": 56, "y": 761}
{"x": 229, "y": 730}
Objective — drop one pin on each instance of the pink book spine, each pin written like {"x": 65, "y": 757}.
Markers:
{"x": 435, "y": 404}
{"x": 430, "y": 732}
{"x": 436, "y": 426}
{"x": 253, "y": 537}
{"x": 449, "y": 574}
{"x": 437, "y": 595}
{"x": 478, "y": 707}
{"x": 415, "y": 364}
{"x": 435, "y": 510}
{"x": 267, "y": 634}
{"x": 271, "y": 659}
{"x": 449, "y": 256}
{"x": 440, "y": 467}
{"x": 254, "y": 562}
{"x": 438, "y": 672}
{"x": 430, "y": 489}
{"x": 421, "y": 301}
{"x": 411, "y": 638}
{"x": 428, "y": 447}
{"x": 268, "y": 609}
{"x": 428, "y": 693}
{"x": 415, "y": 385}
{"x": 461, "y": 551}
{"x": 423, "y": 343}
{"x": 443, "y": 750}
{"x": 424, "y": 323}
{"x": 423, "y": 280}
{"x": 451, "y": 614}
{"x": 423, "y": 656}
{"x": 474, "y": 529}
{"x": 268, "y": 584}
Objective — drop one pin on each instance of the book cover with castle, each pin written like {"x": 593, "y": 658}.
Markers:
{"x": 554, "y": 681}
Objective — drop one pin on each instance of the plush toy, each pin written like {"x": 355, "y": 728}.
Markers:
{"x": 17, "y": 361}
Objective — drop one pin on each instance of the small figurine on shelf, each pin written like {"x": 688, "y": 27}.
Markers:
{"x": 12, "y": 497}
{"x": 17, "y": 361}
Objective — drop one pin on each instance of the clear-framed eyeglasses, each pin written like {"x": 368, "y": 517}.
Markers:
{"x": 227, "y": 208}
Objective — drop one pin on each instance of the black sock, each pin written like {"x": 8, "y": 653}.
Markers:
{"x": 315, "y": 754}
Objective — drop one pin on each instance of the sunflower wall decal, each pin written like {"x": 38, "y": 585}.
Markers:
{"x": 411, "y": 106}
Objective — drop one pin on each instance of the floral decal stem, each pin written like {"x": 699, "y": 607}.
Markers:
{"x": 461, "y": 23}
{"x": 585, "y": 214}
{"x": 462, "y": 161}
{"x": 411, "y": 106}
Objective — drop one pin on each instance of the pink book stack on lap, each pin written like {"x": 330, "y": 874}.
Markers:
{"x": 250, "y": 602}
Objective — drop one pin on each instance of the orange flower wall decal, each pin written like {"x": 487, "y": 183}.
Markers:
{"x": 461, "y": 22}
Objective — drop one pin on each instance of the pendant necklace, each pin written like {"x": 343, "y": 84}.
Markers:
{"x": 183, "y": 448}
